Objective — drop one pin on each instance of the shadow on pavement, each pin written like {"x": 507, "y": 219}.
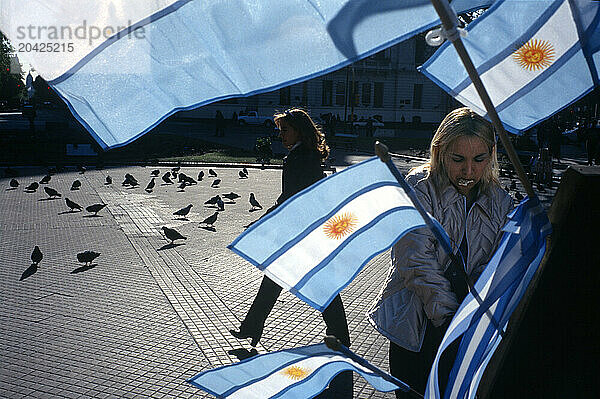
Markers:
{"x": 30, "y": 271}
{"x": 84, "y": 268}
{"x": 243, "y": 353}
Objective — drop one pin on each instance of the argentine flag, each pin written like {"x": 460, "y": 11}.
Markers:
{"x": 501, "y": 286}
{"x": 534, "y": 58}
{"x": 316, "y": 242}
{"x": 293, "y": 373}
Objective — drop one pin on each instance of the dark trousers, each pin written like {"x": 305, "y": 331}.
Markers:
{"x": 413, "y": 367}
{"x": 335, "y": 320}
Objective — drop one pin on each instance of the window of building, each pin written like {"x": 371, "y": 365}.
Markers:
{"x": 366, "y": 93}
{"x": 417, "y": 95}
{"x": 378, "y": 94}
{"x": 340, "y": 93}
{"x": 327, "y": 92}
{"x": 284, "y": 96}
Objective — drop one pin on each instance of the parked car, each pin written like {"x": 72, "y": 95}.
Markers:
{"x": 364, "y": 122}
{"x": 252, "y": 118}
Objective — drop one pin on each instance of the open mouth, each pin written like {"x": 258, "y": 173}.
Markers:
{"x": 464, "y": 182}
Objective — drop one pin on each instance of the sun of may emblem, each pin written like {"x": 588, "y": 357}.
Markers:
{"x": 295, "y": 373}
{"x": 340, "y": 225}
{"x": 534, "y": 55}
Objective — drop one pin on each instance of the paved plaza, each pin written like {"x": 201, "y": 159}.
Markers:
{"x": 147, "y": 315}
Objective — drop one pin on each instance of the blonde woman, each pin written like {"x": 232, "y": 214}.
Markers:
{"x": 459, "y": 187}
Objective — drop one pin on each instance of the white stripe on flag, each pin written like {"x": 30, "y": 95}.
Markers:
{"x": 507, "y": 77}
{"x": 292, "y": 374}
{"x": 296, "y": 262}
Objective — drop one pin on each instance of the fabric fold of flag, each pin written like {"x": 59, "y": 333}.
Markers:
{"x": 316, "y": 242}
{"x": 292, "y": 373}
{"x": 534, "y": 58}
{"x": 501, "y": 286}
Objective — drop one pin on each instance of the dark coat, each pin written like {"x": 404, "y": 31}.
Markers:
{"x": 301, "y": 168}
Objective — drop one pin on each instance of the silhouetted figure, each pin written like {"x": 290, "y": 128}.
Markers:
{"x": 219, "y": 124}
{"x": 211, "y": 219}
{"x": 255, "y": 204}
{"x": 73, "y": 205}
{"x": 172, "y": 234}
{"x": 183, "y": 211}
{"x": 36, "y": 255}
{"x": 76, "y": 185}
{"x": 95, "y": 208}
{"x": 87, "y": 257}
{"x": 52, "y": 193}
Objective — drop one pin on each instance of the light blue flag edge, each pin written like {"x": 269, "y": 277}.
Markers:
{"x": 296, "y": 289}
{"x": 586, "y": 49}
{"x": 300, "y": 353}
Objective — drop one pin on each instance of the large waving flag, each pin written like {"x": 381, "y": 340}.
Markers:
{"x": 293, "y": 373}
{"x": 123, "y": 66}
{"x": 501, "y": 286}
{"x": 316, "y": 242}
{"x": 534, "y": 58}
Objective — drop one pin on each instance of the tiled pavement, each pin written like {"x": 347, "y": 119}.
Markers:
{"x": 148, "y": 315}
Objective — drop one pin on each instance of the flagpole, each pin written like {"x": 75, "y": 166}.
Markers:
{"x": 334, "y": 344}
{"x": 450, "y": 32}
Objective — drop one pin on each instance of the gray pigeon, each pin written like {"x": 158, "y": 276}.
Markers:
{"x": 52, "y": 192}
{"x": 45, "y": 179}
{"x": 108, "y": 180}
{"x": 87, "y": 257}
{"x": 231, "y": 196}
{"x": 254, "y": 202}
{"x": 76, "y": 185}
{"x": 245, "y": 171}
{"x": 33, "y": 186}
{"x": 215, "y": 183}
{"x": 14, "y": 183}
{"x": 95, "y": 208}
{"x": 173, "y": 234}
{"x": 212, "y": 173}
{"x": 211, "y": 219}
{"x": 182, "y": 186}
{"x": 73, "y": 205}
{"x": 220, "y": 204}
{"x": 150, "y": 186}
{"x": 36, "y": 255}
{"x": 242, "y": 175}
{"x": 166, "y": 178}
{"x": 213, "y": 200}
{"x": 200, "y": 175}
{"x": 183, "y": 211}
{"x": 155, "y": 172}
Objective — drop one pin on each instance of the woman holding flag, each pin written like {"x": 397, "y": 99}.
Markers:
{"x": 459, "y": 187}
{"x": 301, "y": 168}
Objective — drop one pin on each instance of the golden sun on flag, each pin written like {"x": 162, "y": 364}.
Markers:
{"x": 295, "y": 373}
{"x": 340, "y": 225}
{"x": 534, "y": 55}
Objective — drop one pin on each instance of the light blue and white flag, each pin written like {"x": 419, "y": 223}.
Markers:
{"x": 534, "y": 58}
{"x": 501, "y": 286}
{"x": 316, "y": 242}
{"x": 292, "y": 373}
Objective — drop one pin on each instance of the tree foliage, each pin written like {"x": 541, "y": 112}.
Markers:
{"x": 12, "y": 88}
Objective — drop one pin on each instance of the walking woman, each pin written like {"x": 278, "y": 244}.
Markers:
{"x": 458, "y": 186}
{"x": 301, "y": 168}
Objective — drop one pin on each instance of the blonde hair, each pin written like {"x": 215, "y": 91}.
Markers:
{"x": 458, "y": 123}
{"x": 311, "y": 135}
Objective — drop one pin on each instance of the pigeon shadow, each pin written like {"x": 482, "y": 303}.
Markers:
{"x": 243, "y": 353}
{"x": 182, "y": 218}
{"x": 30, "y": 271}
{"x": 11, "y": 188}
{"x": 84, "y": 268}
{"x": 169, "y": 246}
{"x": 132, "y": 187}
{"x": 208, "y": 228}
{"x": 30, "y": 191}
{"x": 49, "y": 198}
{"x": 92, "y": 216}
{"x": 68, "y": 212}
{"x": 254, "y": 209}
{"x": 229, "y": 202}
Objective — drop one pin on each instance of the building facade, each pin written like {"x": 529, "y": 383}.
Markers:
{"x": 385, "y": 85}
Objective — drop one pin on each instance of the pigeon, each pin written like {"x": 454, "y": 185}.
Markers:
{"x": 231, "y": 196}
{"x": 245, "y": 171}
{"x": 173, "y": 174}
{"x": 189, "y": 180}
{"x": 254, "y": 202}
{"x": 45, "y": 179}
{"x": 182, "y": 186}
{"x": 36, "y": 255}
{"x": 215, "y": 183}
{"x": 51, "y": 192}
{"x": 200, "y": 175}
{"x": 220, "y": 204}
{"x": 213, "y": 200}
{"x": 155, "y": 172}
{"x": 150, "y": 186}
{"x": 181, "y": 177}
{"x": 173, "y": 234}
{"x": 211, "y": 219}
{"x": 183, "y": 211}
{"x": 87, "y": 257}
{"x": 33, "y": 186}
{"x": 73, "y": 205}
{"x": 81, "y": 169}
{"x": 166, "y": 178}
{"x": 518, "y": 196}
{"x": 14, "y": 183}
{"x": 212, "y": 173}
{"x": 130, "y": 180}
{"x": 95, "y": 208}
{"x": 108, "y": 180}
{"x": 76, "y": 185}
{"x": 176, "y": 168}
{"x": 242, "y": 175}
{"x": 513, "y": 185}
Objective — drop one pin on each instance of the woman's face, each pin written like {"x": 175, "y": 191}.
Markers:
{"x": 466, "y": 160}
{"x": 289, "y": 135}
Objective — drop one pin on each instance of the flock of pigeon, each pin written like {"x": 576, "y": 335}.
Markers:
{"x": 172, "y": 177}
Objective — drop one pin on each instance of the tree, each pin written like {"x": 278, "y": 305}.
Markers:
{"x": 12, "y": 88}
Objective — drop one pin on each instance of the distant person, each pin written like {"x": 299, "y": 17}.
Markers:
{"x": 542, "y": 167}
{"x": 234, "y": 117}
{"x": 219, "y": 124}
{"x": 301, "y": 168}
{"x": 458, "y": 186}
{"x": 592, "y": 142}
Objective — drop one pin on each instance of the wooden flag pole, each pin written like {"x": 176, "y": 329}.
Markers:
{"x": 450, "y": 32}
